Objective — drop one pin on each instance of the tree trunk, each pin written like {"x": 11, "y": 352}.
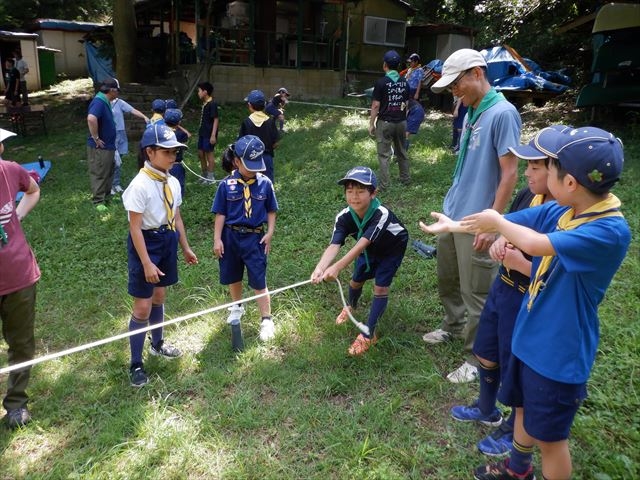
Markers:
{"x": 124, "y": 40}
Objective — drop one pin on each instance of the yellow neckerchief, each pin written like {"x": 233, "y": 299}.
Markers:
{"x": 609, "y": 207}
{"x": 167, "y": 194}
{"x": 537, "y": 200}
{"x": 258, "y": 118}
{"x": 247, "y": 195}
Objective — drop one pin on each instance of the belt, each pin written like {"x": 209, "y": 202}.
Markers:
{"x": 161, "y": 228}
{"x": 511, "y": 283}
{"x": 245, "y": 229}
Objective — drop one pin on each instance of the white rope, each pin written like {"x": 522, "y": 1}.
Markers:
{"x": 347, "y": 107}
{"x": 361, "y": 326}
{"x": 184, "y": 164}
{"x": 104, "y": 341}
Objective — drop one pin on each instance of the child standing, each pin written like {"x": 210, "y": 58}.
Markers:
{"x": 555, "y": 339}
{"x": 172, "y": 118}
{"x": 119, "y": 107}
{"x": 152, "y": 201}
{"x": 244, "y": 202}
{"x": 207, "y": 132}
{"x": 262, "y": 126}
{"x": 492, "y": 346}
{"x": 158, "y": 107}
{"x": 12, "y": 82}
{"x": 275, "y": 107}
{"x": 20, "y": 274}
{"x": 381, "y": 241}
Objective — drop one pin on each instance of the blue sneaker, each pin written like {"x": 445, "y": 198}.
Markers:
{"x": 472, "y": 413}
{"x": 497, "y": 443}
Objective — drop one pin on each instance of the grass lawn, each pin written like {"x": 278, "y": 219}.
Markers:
{"x": 299, "y": 408}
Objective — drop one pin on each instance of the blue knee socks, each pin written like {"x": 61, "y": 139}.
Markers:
{"x": 136, "y": 342}
{"x": 157, "y": 316}
{"x": 520, "y": 459}
{"x": 354, "y": 296}
{"x": 489, "y": 383}
{"x": 378, "y": 306}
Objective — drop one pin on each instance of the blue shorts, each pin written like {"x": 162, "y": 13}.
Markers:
{"x": 414, "y": 119}
{"x": 383, "y": 269}
{"x": 243, "y": 250}
{"x": 549, "y": 407}
{"x": 495, "y": 327}
{"x": 204, "y": 144}
{"x": 271, "y": 110}
{"x": 162, "y": 247}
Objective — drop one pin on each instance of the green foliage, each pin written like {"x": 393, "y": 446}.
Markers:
{"x": 18, "y": 14}
{"x": 299, "y": 407}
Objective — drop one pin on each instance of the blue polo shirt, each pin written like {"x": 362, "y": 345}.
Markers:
{"x": 229, "y": 200}
{"x": 101, "y": 109}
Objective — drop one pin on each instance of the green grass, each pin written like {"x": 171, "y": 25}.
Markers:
{"x": 299, "y": 408}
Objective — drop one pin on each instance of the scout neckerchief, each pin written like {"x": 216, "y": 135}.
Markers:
{"x": 537, "y": 200}
{"x": 101, "y": 96}
{"x": 167, "y": 194}
{"x": 609, "y": 207}
{"x": 393, "y": 75}
{"x": 373, "y": 206}
{"x": 473, "y": 114}
{"x": 258, "y": 118}
{"x": 246, "y": 192}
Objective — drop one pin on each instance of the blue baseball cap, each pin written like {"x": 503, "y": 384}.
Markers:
{"x": 249, "y": 150}
{"x": 363, "y": 175}
{"x": 160, "y": 135}
{"x": 158, "y": 105}
{"x": 172, "y": 116}
{"x": 170, "y": 103}
{"x": 541, "y": 146}
{"x": 392, "y": 58}
{"x": 255, "y": 97}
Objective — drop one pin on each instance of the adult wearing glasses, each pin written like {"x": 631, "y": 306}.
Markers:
{"x": 101, "y": 143}
{"x": 485, "y": 175}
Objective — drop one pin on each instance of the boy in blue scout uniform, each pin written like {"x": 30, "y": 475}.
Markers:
{"x": 555, "y": 339}
{"x": 244, "y": 202}
{"x": 172, "y": 118}
{"x": 492, "y": 346}
{"x": 152, "y": 201}
{"x": 258, "y": 123}
{"x": 381, "y": 240}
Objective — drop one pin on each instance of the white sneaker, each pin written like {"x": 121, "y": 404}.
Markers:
{"x": 113, "y": 191}
{"x": 437, "y": 336}
{"x": 465, "y": 373}
{"x": 267, "y": 330}
{"x": 118, "y": 189}
{"x": 235, "y": 313}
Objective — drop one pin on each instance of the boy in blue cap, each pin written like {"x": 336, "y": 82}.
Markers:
{"x": 158, "y": 107}
{"x": 244, "y": 202}
{"x": 258, "y": 123}
{"x": 152, "y": 201}
{"x": 172, "y": 118}
{"x": 577, "y": 245}
{"x": 381, "y": 240}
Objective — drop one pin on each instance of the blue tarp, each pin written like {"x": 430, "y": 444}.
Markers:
{"x": 99, "y": 68}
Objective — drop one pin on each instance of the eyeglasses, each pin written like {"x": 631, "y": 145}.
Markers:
{"x": 454, "y": 84}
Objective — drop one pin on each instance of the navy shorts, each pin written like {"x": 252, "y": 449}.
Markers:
{"x": 414, "y": 120}
{"x": 243, "y": 250}
{"x": 162, "y": 246}
{"x": 270, "y": 109}
{"x": 549, "y": 406}
{"x": 495, "y": 328}
{"x": 204, "y": 144}
{"x": 383, "y": 269}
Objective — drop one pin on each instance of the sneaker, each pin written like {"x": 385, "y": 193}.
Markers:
{"x": 472, "y": 413}
{"x": 164, "y": 350}
{"x": 361, "y": 345}
{"x": 500, "y": 471}
{"x": 113, "y": 191}
{"x": 437, "y": 336}
{"x": 267, "y": 330}
{"x": 465, "y": 373}
{"x": 117, "y": 189}
{"x": 235, "y": 314}
{"x": 101, "y": 207}
{"x": 18, "y": 418}
{"x": 497, "y": 443}
{"x": 343, "y": 316}
{"x": 138, "y": 376}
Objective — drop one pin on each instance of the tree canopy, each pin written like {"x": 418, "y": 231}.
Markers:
{"x": 18, "y": 14}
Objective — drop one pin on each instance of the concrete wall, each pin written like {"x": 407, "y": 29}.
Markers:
{"x": 232, "y": 83}
{"x": 72, "y": 61}
{"x": 30, "y": 55}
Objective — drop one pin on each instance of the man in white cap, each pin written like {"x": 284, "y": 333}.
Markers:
{"x": 485, "y": 175}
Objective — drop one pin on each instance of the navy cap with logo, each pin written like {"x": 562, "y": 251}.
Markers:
{"x": 160, "y": 135}
{"x": 363, "y": 175}
{"x": 540, "y": 146}
{"x": 392, "y": 59}
{"x": 255, "y": 97}
{"x": 249, "y": 150}
{"x": 170, "y": 103}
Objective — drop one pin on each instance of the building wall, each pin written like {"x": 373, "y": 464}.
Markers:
{"x": 30, "y": 55}
{"x": 72, "y": 62}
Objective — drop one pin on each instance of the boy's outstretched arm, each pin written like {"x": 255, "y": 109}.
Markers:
{"x": 526, "y": 239}
{"x": 332, "y": 272}
{"x": 443, "y": 225}
{"x": 326, "y": 259}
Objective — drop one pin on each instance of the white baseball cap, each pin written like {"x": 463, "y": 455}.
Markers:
{"x": 4, "y": 134}
{"x": 458, "y": 62}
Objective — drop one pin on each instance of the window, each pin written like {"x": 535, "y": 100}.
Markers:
{"x": 383, "y": 31}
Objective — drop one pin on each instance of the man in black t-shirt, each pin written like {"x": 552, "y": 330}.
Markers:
{"x": 388, "y": 121}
